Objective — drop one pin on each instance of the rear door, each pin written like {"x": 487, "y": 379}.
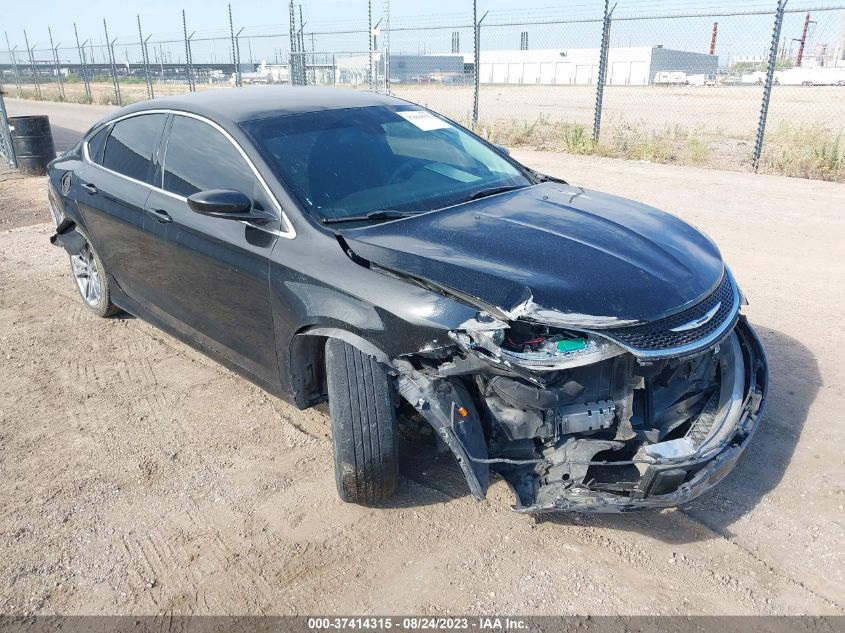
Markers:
{"x": 112, "y": 190}
{"x": 211, "y": 275}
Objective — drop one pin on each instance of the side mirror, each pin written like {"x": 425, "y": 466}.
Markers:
{"x": 504, "y": 150}
{"x": 220, "y": 203}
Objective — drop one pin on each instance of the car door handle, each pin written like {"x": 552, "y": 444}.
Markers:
{"x": 91, "y": 189}
{"x": 161, "y": 215}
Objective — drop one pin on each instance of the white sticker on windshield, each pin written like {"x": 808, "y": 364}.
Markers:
{"x": 424, "y": 120}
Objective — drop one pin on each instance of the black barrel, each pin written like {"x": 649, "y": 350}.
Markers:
{"x": 33, "y": 142}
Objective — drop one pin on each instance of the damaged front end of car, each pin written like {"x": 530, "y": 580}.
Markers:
{"x": 592, "y": 414}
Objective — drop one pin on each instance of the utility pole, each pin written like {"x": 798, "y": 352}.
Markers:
{"x": 713, "y": 38}
{"x": 803, "y": 40}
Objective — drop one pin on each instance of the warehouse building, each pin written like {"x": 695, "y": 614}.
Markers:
{"x": 627, "y": 66}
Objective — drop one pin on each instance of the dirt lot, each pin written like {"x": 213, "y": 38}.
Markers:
{"x": 140, "y": 477}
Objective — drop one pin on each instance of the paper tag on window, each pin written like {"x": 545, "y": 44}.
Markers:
{"x": 424, "y": 120}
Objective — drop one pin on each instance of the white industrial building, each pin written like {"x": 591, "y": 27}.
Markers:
{"x": 634, "y": 66}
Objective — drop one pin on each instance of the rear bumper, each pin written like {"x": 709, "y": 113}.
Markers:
{"x": 672, "y": 482}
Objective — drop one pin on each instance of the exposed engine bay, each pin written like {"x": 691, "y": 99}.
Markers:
{"x": 573, "y": 420}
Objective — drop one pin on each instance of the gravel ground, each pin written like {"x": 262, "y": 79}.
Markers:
{"x": 140, "y": 477}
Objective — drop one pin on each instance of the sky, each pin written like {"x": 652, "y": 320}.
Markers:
{"x": 162, "y": 19}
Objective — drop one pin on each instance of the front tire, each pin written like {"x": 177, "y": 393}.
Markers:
{"x": 92, "y": 281}
{"x": 363, "y": 413}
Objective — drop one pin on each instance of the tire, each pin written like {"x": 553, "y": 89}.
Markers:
{"x": 91, "y": 279}
{"x": 363, "y": 413}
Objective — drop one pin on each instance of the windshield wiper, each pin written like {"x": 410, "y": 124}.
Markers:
{"x": 492, "y": 191}
{"x": 383, "y": 214}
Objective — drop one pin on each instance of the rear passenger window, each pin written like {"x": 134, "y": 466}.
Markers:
{"x": 130, "y": 146}
{"x": 199, "y": 158}
{"x": 96, "y": 144}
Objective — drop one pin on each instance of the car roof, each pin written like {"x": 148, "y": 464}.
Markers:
{"x": 235, "y": 105}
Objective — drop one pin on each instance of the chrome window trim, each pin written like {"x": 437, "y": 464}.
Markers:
{"x": 289, "y": 232}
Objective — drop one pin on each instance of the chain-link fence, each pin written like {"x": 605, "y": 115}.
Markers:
{"x": 7, "y": 149}
{"x": 750, "y": 83}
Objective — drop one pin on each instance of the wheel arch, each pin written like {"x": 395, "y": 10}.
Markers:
{"x": 306, "y": 360}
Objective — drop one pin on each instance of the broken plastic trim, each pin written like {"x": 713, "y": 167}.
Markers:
{"x": 68, "y": 237}
{"x": 668, "y": 477}
{"x": 596, "y": 349}
{"x": 436, "y": 400}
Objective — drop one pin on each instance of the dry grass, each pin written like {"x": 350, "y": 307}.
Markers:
{"x": 806, "y": 151}
{"x": 811, "y": 151}
{"x": 620, "y": 139}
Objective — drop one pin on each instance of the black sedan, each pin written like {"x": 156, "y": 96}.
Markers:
{"x": 339, "y": 245}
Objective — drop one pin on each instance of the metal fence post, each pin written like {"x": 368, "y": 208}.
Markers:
{"x": 370, "y": 38}
{"x": 476, "y": 46}
{"x": 193, "y": 70}
{"x": 385, "y": 44}
{"x": 112, "y": 68}
{"x": 238, "y": 78}
{"x": 476, "y": 56}
{"x": 232, "y": 36}
{"x": 7, "y": 147}
{"x": 14, "y": 64}
{"x": 56, "y": 66}
{"x": 144, "y": 60}
{"x": 32, "y": 66}
{"x": 303, "y": 60}
{"x": 82, "y": 64}
{"x": 292, "y": 58}
{"x": 188, "y": 61}
{"x": 605, "y": 45}
{"x": 767, "y": 89}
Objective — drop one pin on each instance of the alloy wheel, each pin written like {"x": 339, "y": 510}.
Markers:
{"x": 87, "y": 275}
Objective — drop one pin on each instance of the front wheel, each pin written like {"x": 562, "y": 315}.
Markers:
{"x": 92, "y": 281}
{"x": 363, "y": 413}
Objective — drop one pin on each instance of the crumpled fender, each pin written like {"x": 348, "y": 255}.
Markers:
{"x": 68, "y": 237}
{"x": 448, "y": 408}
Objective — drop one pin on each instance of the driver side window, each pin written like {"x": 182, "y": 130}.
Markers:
{"x": 199, "y": 158}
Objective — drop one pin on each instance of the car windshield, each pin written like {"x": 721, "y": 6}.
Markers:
{"x": 353, "y": 162}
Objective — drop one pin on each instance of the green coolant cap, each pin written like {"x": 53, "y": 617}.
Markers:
{"x": 571, "y": 344}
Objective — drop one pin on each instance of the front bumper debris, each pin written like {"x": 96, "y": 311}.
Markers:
{"x": 549, "y": 460}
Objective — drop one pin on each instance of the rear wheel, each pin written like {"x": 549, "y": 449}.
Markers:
{"x": 92, "y": 281}
{"x": 361, "y": 403}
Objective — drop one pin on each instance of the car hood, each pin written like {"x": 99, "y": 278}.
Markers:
{"x": 553, "y": 253}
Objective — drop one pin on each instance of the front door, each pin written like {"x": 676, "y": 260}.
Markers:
{"x": 211, "y": 275}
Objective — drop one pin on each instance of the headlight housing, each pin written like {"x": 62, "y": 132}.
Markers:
{"x": 537, "y": 347}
